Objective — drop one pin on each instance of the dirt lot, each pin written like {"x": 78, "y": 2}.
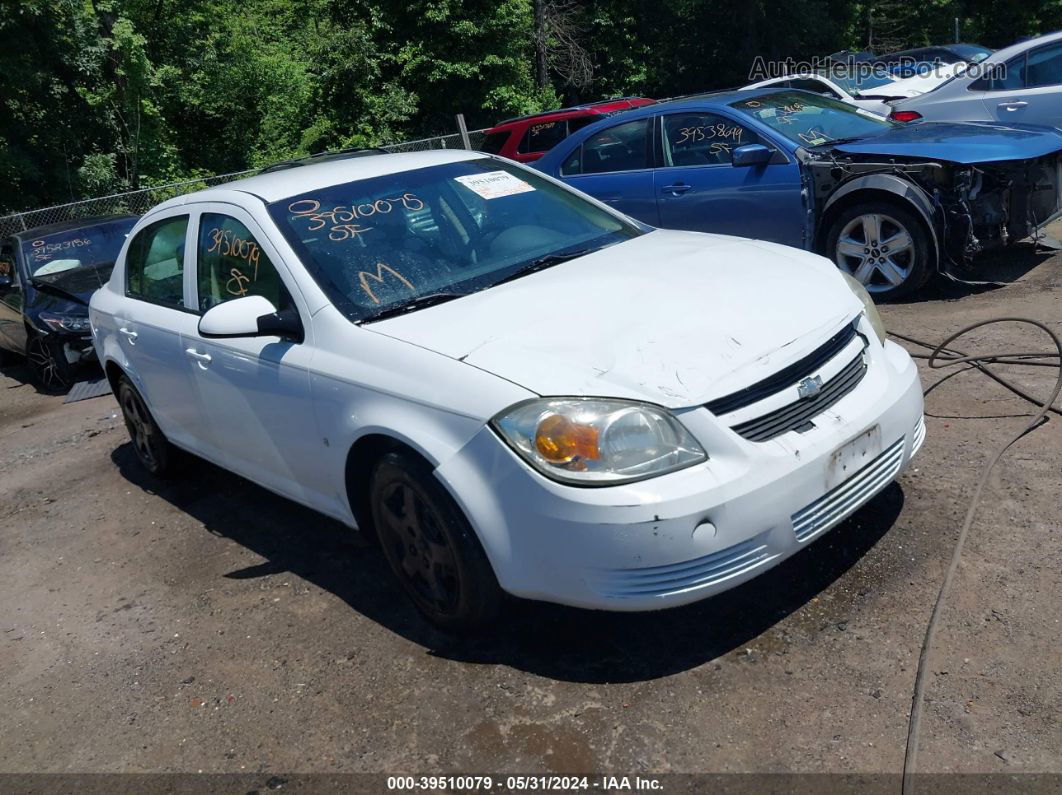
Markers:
{"x": 206, "y": 624}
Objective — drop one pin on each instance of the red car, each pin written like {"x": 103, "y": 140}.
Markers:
{"x": 529, "y": 137}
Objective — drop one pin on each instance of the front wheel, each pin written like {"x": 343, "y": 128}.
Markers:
{"x": 430, "y": 545}
{"x": 884, "y": 247}
{"x": 50, "y": 370}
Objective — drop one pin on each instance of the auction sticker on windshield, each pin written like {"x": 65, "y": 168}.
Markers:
{"x": 494, "y": 184}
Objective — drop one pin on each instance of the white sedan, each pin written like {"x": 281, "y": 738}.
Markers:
{"x": 511, "y": 386}
{"x": 869, "y": 92}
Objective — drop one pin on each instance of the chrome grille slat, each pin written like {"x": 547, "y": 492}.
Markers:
{"x": 841, "y": 501}
{"x": 674, "y": 577}
{"x": 793, "y": 416}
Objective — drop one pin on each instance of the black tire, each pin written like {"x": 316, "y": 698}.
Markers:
{"x": 49, "y": 369}
{"x": 886, "y": 273}
{"x": 153, "y": 450}
{"x": 430, "y": 546}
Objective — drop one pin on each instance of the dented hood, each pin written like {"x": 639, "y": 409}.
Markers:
{"x": 960, "y": 142}
{"x": 674, "y": 318}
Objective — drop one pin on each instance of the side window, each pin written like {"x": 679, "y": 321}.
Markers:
{"x": 1002, "y": 77}
{"x": 620, "y": 148}
{"x": 154, "y": 266}
{"x": 7, "y": 262}
{"x": 543, "y": 136}
{"x": 232, "y": 265}
{"x": 809, "y": 84}
{"x": 702, "y": 139}
{"x": 1044, "y": 67}
{"x": 493, "y": 143}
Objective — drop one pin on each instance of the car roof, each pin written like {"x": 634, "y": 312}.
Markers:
{"x": 587, "y": 108}
{"x": 291, "y": 181}
{"x": 999, "y": 56}
{"x": 71, "y": 224}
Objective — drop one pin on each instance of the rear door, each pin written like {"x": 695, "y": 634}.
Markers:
{"x": 698, "y": 188}
{"x": 614, "y": 165}
{"x": 12, "y": 326}
{"x": 151, "y": 319}
{"x": 1031, "y": 91}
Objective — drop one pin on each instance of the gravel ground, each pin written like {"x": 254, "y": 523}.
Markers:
{"x": 207, "y": 625}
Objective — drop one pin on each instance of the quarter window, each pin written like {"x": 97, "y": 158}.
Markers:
{"x": 232, "y": 265}
{"x": 154, "y": 266}
{"x": 703, "y": 139}
{"x": 620, "y": 148}
{"x": 493, "y": 143}
{"x": 543, "y": 136}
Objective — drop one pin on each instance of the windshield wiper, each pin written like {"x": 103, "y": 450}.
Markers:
{"x": 420, "y": 302}
{"x": 548, "y": 261}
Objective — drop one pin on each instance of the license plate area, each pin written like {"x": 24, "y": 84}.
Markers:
{"x": 853, "y": 456}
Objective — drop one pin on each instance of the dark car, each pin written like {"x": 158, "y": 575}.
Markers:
{"x": 907, "y": 63}
{"x": 529, "y": 137}
{"x": 889, "y": 204}
{"x": 47, "y": 276}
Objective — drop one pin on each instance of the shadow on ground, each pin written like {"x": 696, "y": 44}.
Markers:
{"x": 548, "y": 640}
{"x": 994, "y": 268}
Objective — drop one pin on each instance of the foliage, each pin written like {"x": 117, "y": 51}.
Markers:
{"x": 104, "y": 95}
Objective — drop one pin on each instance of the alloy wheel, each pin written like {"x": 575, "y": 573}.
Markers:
{"x": 47, "y": 370}
{"x": 141, "y": 429}
{"x": 877, "y": 250}
{"x": 413, "y": 530}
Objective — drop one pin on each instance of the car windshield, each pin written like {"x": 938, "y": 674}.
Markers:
{"x": 810, "y": 120}
{"x": 376, "y": 245}
{"x": 95, "y": 246}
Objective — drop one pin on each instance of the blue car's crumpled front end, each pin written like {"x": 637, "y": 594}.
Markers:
{"x": 960, "y": 142}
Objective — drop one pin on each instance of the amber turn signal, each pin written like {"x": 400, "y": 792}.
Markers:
{"x": 561, "y": 441}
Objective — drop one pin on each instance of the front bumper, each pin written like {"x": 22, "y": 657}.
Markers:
{"x": 690, "y": 534}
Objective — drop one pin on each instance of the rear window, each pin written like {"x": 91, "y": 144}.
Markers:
{"x": 493, "y": 143}
{"x": 543, "y": 136}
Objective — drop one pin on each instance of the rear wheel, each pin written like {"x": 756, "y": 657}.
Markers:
{"x": 50, "y": 370}
{"x": 152, "y": 448}
{"x": 431, "y": 546}
{"x": 884, "y": 247}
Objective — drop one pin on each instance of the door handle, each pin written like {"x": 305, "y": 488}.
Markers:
{"x": 132, "y": 335}
{"x": 678, "y": 188}
{"x": 202, "y": 358}
{"x": 1013, "y": 105}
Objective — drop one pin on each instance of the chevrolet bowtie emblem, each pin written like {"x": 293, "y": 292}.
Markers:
{"x": 809, "y": 387}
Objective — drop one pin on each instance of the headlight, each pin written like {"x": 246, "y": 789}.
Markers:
{"x": 869, "y": 309}
{"x": 597, "y": 441}
{"x": 78, "y": 324}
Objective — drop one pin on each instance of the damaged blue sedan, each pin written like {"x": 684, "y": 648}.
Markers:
{"x": 890, "y": 204}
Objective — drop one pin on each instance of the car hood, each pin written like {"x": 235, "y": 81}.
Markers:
{"x": 960, "y": 142}
{"x": 674, "y": 318}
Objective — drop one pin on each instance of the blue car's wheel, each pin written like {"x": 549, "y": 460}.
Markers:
{"x": 883, "y": 246}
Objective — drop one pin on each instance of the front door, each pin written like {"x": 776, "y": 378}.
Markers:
{"x": 253, "y": 392}
{"x": 1031, "y": 90}
{"x": 699, "y": 189}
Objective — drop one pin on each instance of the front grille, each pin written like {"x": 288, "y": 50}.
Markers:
{"x": 676, "y": 577}
{"x": 836, "y": 504}
{"x": 798, "y": 415}
{"x": 784, "y": 379}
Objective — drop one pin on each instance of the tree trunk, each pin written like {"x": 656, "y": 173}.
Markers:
{"x": 541, "y": 67}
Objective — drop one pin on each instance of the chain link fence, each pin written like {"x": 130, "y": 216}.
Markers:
{"x": 138, "y": 202}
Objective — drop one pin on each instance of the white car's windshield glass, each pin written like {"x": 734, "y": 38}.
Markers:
{"x": 402, "y": 240}
{"x": 48, "y": 257}
{"x": 811, "y": 120}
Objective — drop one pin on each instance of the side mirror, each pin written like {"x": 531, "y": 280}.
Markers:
{"x": 250, "y": 316}
{"x": 751, "y": 155}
